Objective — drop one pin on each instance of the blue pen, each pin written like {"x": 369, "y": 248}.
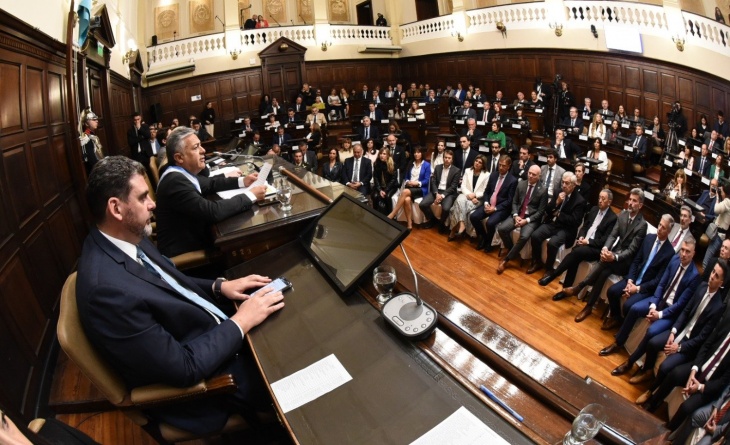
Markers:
{"x": 499, "y": 402}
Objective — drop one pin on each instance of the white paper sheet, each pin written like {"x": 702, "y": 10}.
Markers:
{"x": 461, "y": 428}
{"x": 223, "y": 171}
{"x": 310, "y": 383}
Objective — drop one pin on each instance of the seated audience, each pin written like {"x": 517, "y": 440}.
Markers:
{"x": 581, "y": 186}
{"x": 704, "y": 162}
{"x": 332, "y": 169}
{"x": 551, "y": 174}
{"x": 565, "y": 148}
{"x": 309, "y": 156}
{"x": 676, "y": 188}
{"x": 385, "y": 181}
{"x": 315, "y": 117}
{"x": 200, "y": 131}
{"x": 496, "y": 204}
{"x": 717, "y": 170}
{"x": 473, "y": 185}
{"x": 613, "y": 133}
{"x": 415, "y": 112}
{"x": 707, "y": 200}
{"x": 442, "y": 191}
{"x": 523, "y": 163}
{"x": 346, "y": 150}
{"x": 415, "y": 185}
{"x": 573, "y": 121}
{"x": 367, "y": 130}
{"x": 598, "y": 154}
{"x": 597, "y": 129}
{"x": 497, "y": 134}
{"x": 722, "y": 221}
{"x": 639, "y": 142}
{"x": 681, "y": 230}
{"x": 357, "y": 171}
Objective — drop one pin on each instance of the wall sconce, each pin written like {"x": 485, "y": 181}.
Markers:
{"x": 325, "y": 45}
{"x": 678, "y": 42}
{"x": 234, "y": 53}
{"x": 501, "y": 27}
{"x": 127, "y": 56}
{"x": 558, "y": 27}
{"x": 457, "y": 34}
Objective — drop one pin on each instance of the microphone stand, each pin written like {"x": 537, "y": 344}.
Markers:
{"x": 300, "y": 16}
{"x": 274, "y": 19}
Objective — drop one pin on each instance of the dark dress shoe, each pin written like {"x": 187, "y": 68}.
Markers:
{"x": 610, "y": 349}
{"x": 501, "y": 266}
{"x": 610, "y": 323}
{"x": 582, "y": 315}
{"x": 546, "y": 279}
{"x": 429, "y": 224}
{"x": 537, "y": 265}
{"x": 622, "y": 369}
{"x": 559, "y": 296}
{"x": 452, "y": 237}
{"x": 489, "y": 249}
{"x": 481, "y": 244}
{"x": 572, "y": 291}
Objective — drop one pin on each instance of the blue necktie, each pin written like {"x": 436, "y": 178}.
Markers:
{"x": 196, "y": 299}
{"x": 646, "y": 265}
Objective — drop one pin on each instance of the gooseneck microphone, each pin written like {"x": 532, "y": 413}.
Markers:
{"x": 407, "y": 313}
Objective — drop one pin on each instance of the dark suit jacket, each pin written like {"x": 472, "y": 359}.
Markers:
{"x": 149, "y": 333}
{"x": 685, "y": 289}
{"x": 578, "y": 123}
{"x": 366, "y": 173}
{"x": 147, "y": 147}
{"x": 708, "y": 204}
{"x": 135, "y": 140}
{"x": 203, "y": 134}
{"x": 641, "y": 149}
{"x": 506, "y": 192}
{"x": 631, "y": 235}
{"x": 556, "y": 179}
{"x": 399, "y": 158}
{"x": 572, "y": 150}
{"x": 705, "y": 323}
{"x": 568, "y": 215}
{"x": 378, "y": 115}
{"x": 459, "y": 159}
{"x": 521, "y": 173}
{"x": 473, "y": 139}
{"x": 706, "y": 168}
{"x": 490, "y": 115}
{"x": 310, "y": 158}
{"x": 332, "y": 174}
{"x": 653, "y": 273}
{"x": 463, "y": 113}
{"x": 603, "y": 229}
{"x": 184, "y": 216}
{"x": 538, "y": 201}
{"x": 285, "y": 138}
{"x": 720, "y": 378}
{"x": 374, "y": 132}
{"x": 452, "y": 181}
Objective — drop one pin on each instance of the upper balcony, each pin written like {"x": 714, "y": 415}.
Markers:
{"x": 666, "y": 34}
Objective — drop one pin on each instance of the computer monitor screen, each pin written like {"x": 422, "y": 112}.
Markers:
{"x": 349, "y": 239}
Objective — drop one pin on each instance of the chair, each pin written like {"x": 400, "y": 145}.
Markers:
{"x": 76, "y": 345}
{"x": 155, "y": 169}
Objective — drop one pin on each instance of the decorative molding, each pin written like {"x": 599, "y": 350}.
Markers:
{"x": 200, "y": 17}
{"x": 19, "y": 46}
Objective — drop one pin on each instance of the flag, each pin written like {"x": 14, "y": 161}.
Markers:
{"x": 84, "y": 12}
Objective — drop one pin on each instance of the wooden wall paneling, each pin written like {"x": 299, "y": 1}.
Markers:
{"x": 35, "y": 97}
{"x": 254, "y": 81}
{"x": 7, "y": 222}
{"x": 56, "y": 107}
{"x": 719, "y": 102}
{"x": 24, "y": 201}
{"x": 225, "y": 109}
{"x": 500, "y": 67}
{"x": 596, "y": 73}
{"x": 632, "y": 101}
{"x": 546, "y": 69}
{"x": 686, "y": 90}
{"x": 194, "y": 89}
{"x": 633, "y": 78}
{"x": 43, "y": 160}
{"x": 564, "y": 68}
{"x": 225, "y": 87}
{"x": 66, "y": 245}
{"x": 614, "y": 75}
{"x": 11, "y": 86}
{"x": 651, "y": 81}
{"x": 529, "y": 67}
{"x": 40, "y": 253}
{"x": 16, "y": 364}
{"x": 210, "y": 90}
{"x": 60, "y": 165}
{"x": 702, "y": 95}
{"x": 668, "y": 85}
{"x": 615, "y": 98}
{"x": 179, "y": 97}
{"x": 240, "y": 85}
{"x": 580, "y": 71}
{"x": 650, "y": 108}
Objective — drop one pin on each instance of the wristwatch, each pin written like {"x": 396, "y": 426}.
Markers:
{"x": 217, "y": 288}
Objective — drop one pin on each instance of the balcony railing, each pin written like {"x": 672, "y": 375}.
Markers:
{"x": 648, "y": 19}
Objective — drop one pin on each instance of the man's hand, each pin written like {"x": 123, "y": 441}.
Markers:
{"x": 253, "y": 311}
{"x": 234, "y": 289}
{"x": 259, "y": 191}
{"x": 671, "y": 347}
{"x": 710, "y": 426}
{"x": 439, "y": 198}
{"x": 607, "y": 256}
{"x": 250, "y": 179}
{"x": 582, "y": 241}
{"x": 561, "y": 198}
{"x": 631, "y": 288}
{"x": 234, "y": 174}
{"x": 653, "y": 315}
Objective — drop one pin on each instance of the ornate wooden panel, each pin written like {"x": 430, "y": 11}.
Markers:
{"x": 35, "y": 97}
{"x": 633, "y": 80}
{"x": 651, "y": 81}
{"x": 669, "y": 84}
{"x": 55, "y": 98}
{"x": 702, "y": 95}
{"x": 210, "y": 90}
{"x": 614, "y": 75}
{"x": 23, "y": 200}
{"x": 10, "y": 88}
{"x": 686, "y": 89}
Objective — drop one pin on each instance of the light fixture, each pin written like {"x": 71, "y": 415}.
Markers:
{"x": 501, "y": 27}
{"x": 234, "y": 53}
{"x": 127, "y": 56}
{"x": 678, "y": 42}
{"x": 457, "y": 34}
{"x": 325, "y": 45}
{"x": 594, "y": 31}
{"x": 558, "y": 27}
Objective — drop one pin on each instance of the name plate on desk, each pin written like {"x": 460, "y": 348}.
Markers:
{"x": 238, "y": 121}
{"x": 480, "y": 105}
{"x": 714, "y": 155}
{"x": 411, "y": 119}
{"x": 451, "y": 144}
{"x": 542, "y": 158}
{"x": 481, "y": 123}
{"x": 518, "y": 126}
{"x": 583, "y": 137}
{"x": 688, "y": 172}
{"x": 300, "y": 127}
{"x": 538, "y": 110}
{"x": 649, "y": 195}
{"x": 668, "y": 163}
{"x": 698, "y": 149}
{"x": 504, "y": 107}
{"x": 682, "y": 142}
{"x": 483, "y": 149}
{"x": 459, "y": 121}
{"x": 607, "y": 121}
{"x": 648, "y": 132}
{"x": 384, "y": 121}
{"x": 422, "y": 104}
{"x": 628, "y": 148}
{"x": 705, "y": 181}
{"x": 624, "y": 125}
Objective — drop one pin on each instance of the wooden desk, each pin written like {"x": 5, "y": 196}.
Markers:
{"x": 248, "y": 234}
{"x": 438, "y": 375}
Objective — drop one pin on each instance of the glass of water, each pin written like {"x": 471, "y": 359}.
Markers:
{"x": 283, "y": 194}
{"x": 586, "y": 425}
{"x": 384, "y": 279}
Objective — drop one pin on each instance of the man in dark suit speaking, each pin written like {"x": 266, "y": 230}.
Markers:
{"x": 184, "y": 214}
{"x": 152, "y": 323}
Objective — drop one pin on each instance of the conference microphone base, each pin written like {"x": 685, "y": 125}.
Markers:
{"x": 410, "y": 319}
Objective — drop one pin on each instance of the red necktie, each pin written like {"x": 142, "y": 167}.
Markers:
{"x": 677, "y": 238}
{"x": 493, "y": 200}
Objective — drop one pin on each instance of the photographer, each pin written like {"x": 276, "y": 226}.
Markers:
{"x": 722, "y": 221}
{"x": 677, "y": 118}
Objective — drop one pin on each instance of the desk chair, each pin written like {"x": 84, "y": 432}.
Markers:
{"x": 76, "y": 345}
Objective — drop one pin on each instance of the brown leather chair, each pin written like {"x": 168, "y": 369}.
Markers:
{"x": 76, "y": 345}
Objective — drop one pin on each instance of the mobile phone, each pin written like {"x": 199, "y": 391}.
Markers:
{"x": 279, "y": 284}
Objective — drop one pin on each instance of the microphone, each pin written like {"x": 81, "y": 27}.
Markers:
{"x": 224, "y": 25}
{"x": 292, "y": 22}
{"x": 407, "y": 313}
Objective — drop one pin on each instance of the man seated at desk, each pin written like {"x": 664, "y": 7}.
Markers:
{"x": 466, "y": 111}
{"x": 315, "y": 117}
{"x": 565, "y": 148}
{"x": 368, "y": 131}
{"x": 639, "y": 143}
{"x": 184, "y": 214}
{"x": 374, "y": 113}
{"x": 281, "y": 138}
{"x": 704, "y": 162}
{"x": 472, "y": 133}
{"x": 200, "y": 131}
{"x": 152, "y": 323}
{"x": 291, "y": 118}
{"x": 573, "y": 121}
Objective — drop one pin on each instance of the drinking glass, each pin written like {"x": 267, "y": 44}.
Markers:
{"x": 586, "y": 425}
{"x": 384, "y": 279}
{"x": 283, "y": 194}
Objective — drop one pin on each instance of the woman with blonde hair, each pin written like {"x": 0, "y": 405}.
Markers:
{"x": 597, "y": 129}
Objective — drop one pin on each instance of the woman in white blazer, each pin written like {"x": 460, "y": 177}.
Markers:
{"x": 473, "y": 185}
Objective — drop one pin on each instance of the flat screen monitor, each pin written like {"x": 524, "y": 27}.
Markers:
{"x": 349, "y": 239}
